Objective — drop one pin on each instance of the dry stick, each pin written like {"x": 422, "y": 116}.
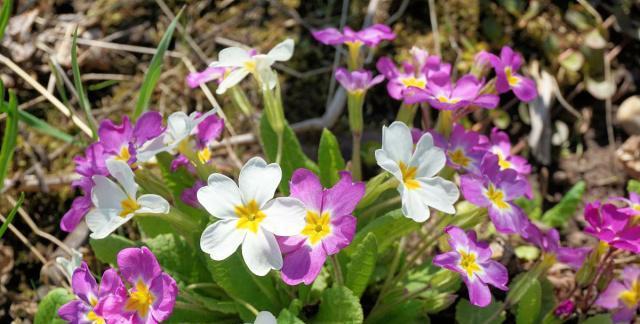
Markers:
{"x": 25, "y": 241}
{"x": 36, "y": 229}
{"x": 66, "y": 111}
{"x": 434, "y": 26}
{"x": 336, "y": 57}
{"x": 165, "y": 9}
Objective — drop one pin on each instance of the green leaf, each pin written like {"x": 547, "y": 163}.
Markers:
{"x": 48, "y": 308}
{"x": 387, "y": 229}
{"x": 155, "y": 69}
{"x": 566, "y": 208}
{"x": 11, "y": 215}
{"x": 527, "y": 252}
{"x": 529, "y": 305}
{"x": 339, "y": 305}
{"x": 77, "y": 81}
{"x": 235, "y": 279}
{"x": 7, "y": 5}
{"x": 469, "y": 314}
{"x": 599, "y": 319}
{"x": 107, "y": 249}
{"x": 10, "y": 133}
{"x": 362, "y": 264}
{"x": 43, "y": 127}
{"x": 633, "y": 186}
{"x": 292, "y": 155}
{"x": 178, "y": 259}
{"x": 184, "y": 313}
{"x": 330, "y": 159}
{"x": 409, "y": 312}
{"x": 286, "y": 317}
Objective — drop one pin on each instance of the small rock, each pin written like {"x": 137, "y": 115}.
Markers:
{"x": 628, "y": 115}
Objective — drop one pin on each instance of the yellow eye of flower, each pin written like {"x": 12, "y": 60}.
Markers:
{"x": 204, "y": 155}
{"x": 496, "y": 197}
{"x": 128, "y": 206}
{"x": 250, "y": 216}
{"x": 250, "y": 65}
{"x": 124, "y": 154}
{"x": 409, "y": 176}
{"x": 318, "y": 226}
{"x": 512, "y": 79}
{"x": 468, "y": 263}
{"x": 445, "y": 99}
{"x": 458, "y": 157}
{"x": 140, "y": 300}
{"x": 502, "y": 161}
{"x": 631, "y": 297}
{"x": 414, "y": 82}
{"x": 94, "y": 318}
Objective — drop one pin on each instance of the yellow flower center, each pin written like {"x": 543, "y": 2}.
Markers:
{"x": 318, "y": 226}
{"x": 468, "y": 263}
{"x": 95, "y": 319}
{"x": 249, "y": 216}
{"x": 496, "y": 197}
{"x": 414, "y": 82}
{"x": 512, "y": 79}
{"x": 124, "y": 154}
{"x": 631, "y": 297}
{"x": 458, "y": 157}
{"x": 129, "y": 206}
{"x": 409, "y": 176}
{"x": 446, "y": 99}
{"x": 204, "y": 155}
{"x": 502, "y": 161}
{"x": 140, "y": 300}
{"x": 250, "y": 65}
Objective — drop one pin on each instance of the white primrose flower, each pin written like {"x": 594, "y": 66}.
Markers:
{"x": 416, "y": 171}
{"x": 116, "y": 203}
{"x": 249, "y": 216}
{"x": 244, "y": 63}
{"x": 70, "y": 265}
{"x": 179, "y": 127}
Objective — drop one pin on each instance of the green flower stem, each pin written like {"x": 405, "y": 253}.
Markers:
{"x": 240, "y": 100}
{"x": 152, "y": 184}
{"x": 407, "y": 114}
{"x": 275, "y": 114}
{"x": 445, "y": 122}
{"x": 354, "y": 62}
{"x": 355, "y": 101}
{"x": 183, "y": 223}
{"x": 375, "y": 187}
{"x": 337, "y": 270}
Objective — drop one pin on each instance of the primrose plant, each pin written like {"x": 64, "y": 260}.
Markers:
{"x": 388, "y": 237}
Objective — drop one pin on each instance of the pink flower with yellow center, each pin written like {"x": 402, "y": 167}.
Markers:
{"x": 329, "y": 227}
{"x": 507, "y": 78}
{"x": 623, "y": 296}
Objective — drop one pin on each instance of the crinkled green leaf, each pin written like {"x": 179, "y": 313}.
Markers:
{"x": 178, "y": 259}
{"x": 286, "y": 317}
{"x": 48, "y": 308}
{"x": 527, "y": 252}
{"x": 292, "y": 155}
{"x": 339, "y": 305}
{"x": 330, "y": 159}
{"x": 470, "y": 314}
{"x": 633, "y": 186}
{"x": 529, "y": 305}
{"x": 387, "y": 229}
{"x": 566, "y": 208}
{"x": 362, "y": 264}
{"x": 107, "y": 249}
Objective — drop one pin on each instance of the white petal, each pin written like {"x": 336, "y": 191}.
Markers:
{"x": 268, "y": 77}
{"x": 220, "y": 196}
{"x": 428, "y": 158}
{"x": 438, "y": 193}
{"x": 232, "y": 57}
{"x": 285, "y": 216}
{"x": 413, "y": 207}
{"x": 232, "y": 79}
{"x": 103, "y": 222}
{"x": 198, "y": 120}
{"x": 282, "y": 51}
{"x": 122, "y": 172}
{"x": 387, "y": 164}
{"x": 261, "y": 252}
{"x": 151, "y": 148}
{"x": 106, "y": 193}
{"x": 397, "y": 142}
{"x": 265, "y": 317}
{"x": 258, "y": 180}
{"x": 155, "y": 204}
{"x": 178, "y": 126}
{"x": 221, "y": 239}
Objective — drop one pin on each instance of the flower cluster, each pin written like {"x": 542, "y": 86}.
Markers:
{"x": 617, "y": 226}
{"x": 148, "y": 296}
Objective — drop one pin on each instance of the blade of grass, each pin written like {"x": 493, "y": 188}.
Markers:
{"x": 77, "y": 81}
{"x": 40, "y": 125}
{"x": 155, "y": 69}
{"x": 10, "y": 134}
{"x": 7, "y": 5}
{"x": 11, "y": 215}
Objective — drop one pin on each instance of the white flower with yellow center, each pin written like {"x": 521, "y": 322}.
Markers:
{"x": 416, "y": 171}
{"x": 179, "y": 127}
{"x": 116, "y": 203}
{"x": 244, "y": 63}
{"x": 249, "y": 216}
